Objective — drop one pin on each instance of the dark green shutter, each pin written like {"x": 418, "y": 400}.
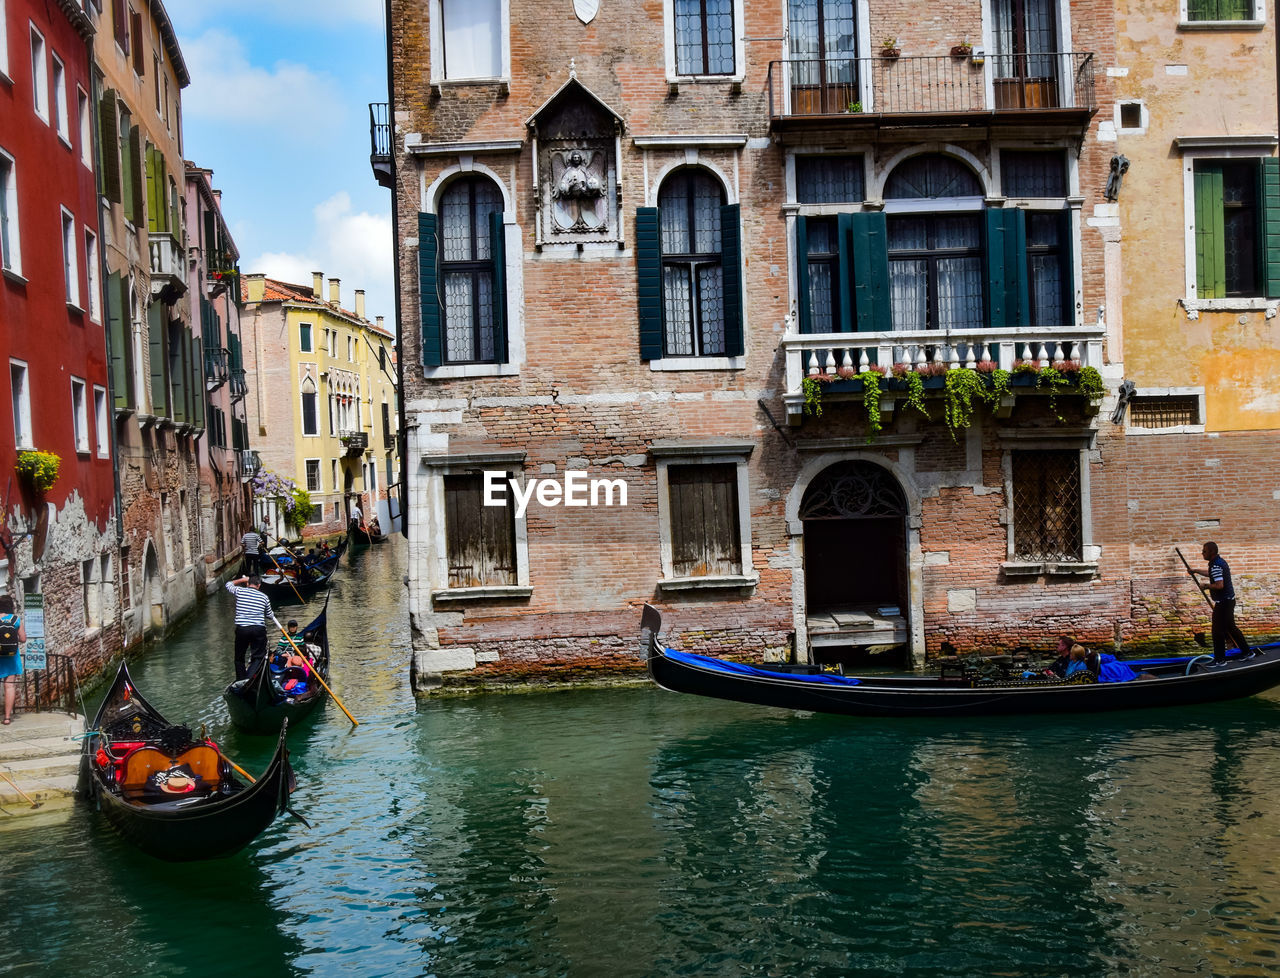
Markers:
{"x": 804, "y": 298}
{"x": 135, "y": 176}
{"x": 498, "y": 254}
{"x": 649, "y": 281}
{"x": 197, "y": 381}
{"x": 429, "y": 290}
{"x": 157, "y": 341}
{"x": 1068, "y": 273}
{"x": 1211, "y": 257}
{"x": 1008, "y": 292}
{"x": 178, "y": 373}
{"x": 109, "y": 137}
{"x": 731, "y": 270}
{"x": 843, "y": 315}
{"x": 1271, "y": 227}
{"x": 118, "y": 338}
{"x": 869, "y": 241}
{"x": 155, "y": 207}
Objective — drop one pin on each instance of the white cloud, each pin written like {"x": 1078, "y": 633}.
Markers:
{"x": 326, "y": 14}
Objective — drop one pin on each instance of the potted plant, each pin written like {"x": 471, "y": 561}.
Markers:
{"x": 889, "y": 48}
{"x": 37, "y": 469}
{"x": 854, "y": 107}
{"x": 962, "y": 50}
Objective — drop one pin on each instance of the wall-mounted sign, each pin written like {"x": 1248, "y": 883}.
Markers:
{"x": 33, "y": 656}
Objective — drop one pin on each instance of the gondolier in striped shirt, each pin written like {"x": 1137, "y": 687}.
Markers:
{"x": 1223, "y": 594}
{"x": 253, "y": 611}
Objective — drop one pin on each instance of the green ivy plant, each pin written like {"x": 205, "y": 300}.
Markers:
{"x": 963, "y": 388}
{"x": 871, "y": 401}
{"x": 1090, "y": 382}
{"x": 297, "y": 516}
{"x": 812, "y": 396}
{"x": 1055, "y": 380}
{"x": 38, "y": 469}
{"x": 915, "y": 393}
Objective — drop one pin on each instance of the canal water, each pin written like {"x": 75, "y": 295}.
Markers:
{"x": 639, "y": 832}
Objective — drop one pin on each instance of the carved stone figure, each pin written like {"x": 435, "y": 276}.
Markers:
{"x": 578, "y": 190}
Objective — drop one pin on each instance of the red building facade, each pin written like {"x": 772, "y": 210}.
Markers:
{"x": 61, "y": 541}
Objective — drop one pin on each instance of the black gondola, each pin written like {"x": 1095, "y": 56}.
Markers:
{"x": 173, "y": 797}
{"x": 1174, "y": 681}
{"x": 289, "y": 574}
{"x": 260, "y": 704}
{"x": 361, "y": 535}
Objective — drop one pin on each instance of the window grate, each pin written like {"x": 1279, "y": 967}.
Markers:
{"x": 1164, "y": 412}
{"x": 1046, "y": 506}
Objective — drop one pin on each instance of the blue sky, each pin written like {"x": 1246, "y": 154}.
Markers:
{"x": 278, "y": 109}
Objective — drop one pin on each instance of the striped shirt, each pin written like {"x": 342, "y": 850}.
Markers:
{"x": 252, "y": 606}
{"x": 251, "y": 542}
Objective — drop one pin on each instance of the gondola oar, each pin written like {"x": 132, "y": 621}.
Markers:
{"x": 316, "y": 673}
{"x": 280, "y": 571}
{"x": 1193, "y": 576}
{"x": 13, "y": 784}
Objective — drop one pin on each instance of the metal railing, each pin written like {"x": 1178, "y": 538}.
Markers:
{"x": 931, "y": 84}
{"x": 51, "y": 688}
{"x": 380, "y": 142}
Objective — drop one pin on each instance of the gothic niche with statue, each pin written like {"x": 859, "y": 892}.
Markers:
{"x": 576, "y": 139}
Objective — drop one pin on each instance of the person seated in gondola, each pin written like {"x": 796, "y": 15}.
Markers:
{"x": 374, "y": 529}
{"x": 1059, "y": 665}
{"x": 291, "y": 648}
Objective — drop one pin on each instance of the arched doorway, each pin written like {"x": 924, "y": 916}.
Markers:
{"x": 857, "y": 590}
{"x": 152, "y": 593}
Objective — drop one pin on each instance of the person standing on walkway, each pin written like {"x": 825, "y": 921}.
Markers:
{"x": 1223, "y": 595}
{"x": 252, "y": 544}
{"x": 12, "y": 634}
{"x": 253, "y": 611}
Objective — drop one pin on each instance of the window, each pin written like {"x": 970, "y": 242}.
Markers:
{"x": 690, "y": 204}
{"x": 86, "y": 128}
{"x": 10, "y": 254}
{"x": 100, "y": 421}
{"x": 701, "y": 516}
{"x": 91, "y": 275}
{"x": 469, "y": 209}
{"x": 1198, "y": 10}
{"x": 1047, "y": 273}
{"x": 332, "y": 335}
{"x": 317, "y": 514}
{"x": 21, "y": 400}
{"x": 1047, "y": 523}
{"x": 704, "y": 37}
{"x": 70, "y": 264}
{"x": 333, "y": 471}
{"x": 1234, "y": 247}
{"x": 79, "y": 415}
{"x": 824, "y": 73}
{"x": 304, "y": 337}
{"x": 818, "y": 241}
{"x": 313, "y": 475}
{"x": 4, "y": 40}
{"x": 120, "y": 24}
{"x": 480, "y": 541}
{"x": 1131, "y": 117}
{"x": 1033, "y": 173}
{"x": 58, "y": 101}
{"x": 473, "y": 38}
{"x": 135, "y": 43}
{"x": 351, "y": 350}
{"x": 1025, "y": 37}
{"x": 90, "y": 584}
{"x": 1165, "y": 411}
{"x": 39, "y": 76}
{"x": 309, "y": 426}
{"x": 829, "y": 179}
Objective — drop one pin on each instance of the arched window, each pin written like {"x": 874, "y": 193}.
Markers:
{"x": 690, "y": 202}
{"x": 468, "y": 296}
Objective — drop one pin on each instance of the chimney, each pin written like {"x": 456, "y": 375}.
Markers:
{"x": 359, "y": 303}
{"x": 255, "y": 287}
{"x": 380, "y": 322}
{"x": 317, "y": 284}
{"x": 333, "y": 290}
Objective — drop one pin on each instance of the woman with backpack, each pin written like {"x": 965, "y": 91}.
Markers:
{"x": 12, "y": 634}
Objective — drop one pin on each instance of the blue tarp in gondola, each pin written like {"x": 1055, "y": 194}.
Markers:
{"x": 740, "y": 669}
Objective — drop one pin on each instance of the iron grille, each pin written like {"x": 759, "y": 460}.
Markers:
{"x": 853, "y": 490}
{"x": 1046, "y": 506}
{"x": 1164, "y": 412}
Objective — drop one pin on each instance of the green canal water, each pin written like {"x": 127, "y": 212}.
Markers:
{"x": 639, "y": 832}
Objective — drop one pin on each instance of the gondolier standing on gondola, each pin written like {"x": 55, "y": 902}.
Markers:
{"x": 1223, "y": 595}
{"x": 253, "y": 611}
{"x": 252, "y": 543}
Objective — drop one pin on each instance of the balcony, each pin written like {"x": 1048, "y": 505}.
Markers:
{"x": 380, "y": 143}
{"x": 872, "y": 93}
{"x": 811, "y": 354}
{"x": 215, "y": 368}
{"x": 355, "y": 442}
{"x": 249, "y": 464}
{"x": 239, "y": 388}
{"x": 168, "y": 266}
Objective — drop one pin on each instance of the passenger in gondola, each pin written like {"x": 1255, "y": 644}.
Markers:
{"x": 1079, "y": 660}
{"x": 1059, "y": 665}
{"x": 374, "y": 529}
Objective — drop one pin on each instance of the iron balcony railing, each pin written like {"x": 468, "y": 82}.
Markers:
{"x": 52, "y": 688}
{"x": 931, "y": 85}
{"x": 215, "y": 368}
{"x": 380, "y": 142}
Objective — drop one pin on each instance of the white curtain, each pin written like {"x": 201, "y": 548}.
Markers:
{"x": 472, "y": 42}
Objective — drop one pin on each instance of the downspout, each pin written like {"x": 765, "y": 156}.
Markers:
{"x": 402, "y": 448}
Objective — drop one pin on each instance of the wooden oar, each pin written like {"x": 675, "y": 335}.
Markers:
{"x": 286, "y": 578}
{"x": 14, "y": 785}
{"x": 316, "y": 672}
{"x": 204, "y": 736}
{"x": 1193, "y": 576}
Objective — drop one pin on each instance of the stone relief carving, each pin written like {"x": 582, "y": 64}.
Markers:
{"x": 578, "y": 190}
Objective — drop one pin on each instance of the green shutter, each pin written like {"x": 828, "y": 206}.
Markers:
{"x": 429, "y": 290}
{"x": 1211, "y": 258}
{"x": 1008, "y": 292}
{"x": 498, "y": 254}
{"x": 109, "y": 138}
{"x": 731, "y": 270}
{"x": 843, "y": 318}
{"x": 649, "y": 281}
{"x": 1271, "y": 227}
{"x": 157, "y": 342}
{"x": 136, "y": 176}
{"x": 155, "y": 171}
{"x": 197, "y": 381}
{"x": 117, "y": 341}
{"x": 178, "y": 374}
{"x": 869, "y": 241}
{"x": 1068, "y": 273}
{"x": 804, "y": 299}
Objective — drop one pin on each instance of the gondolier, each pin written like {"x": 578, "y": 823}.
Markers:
{"x": 253, "y": 611}
{"x": 253, "y": 543}
{"x": 1221, "y": 591}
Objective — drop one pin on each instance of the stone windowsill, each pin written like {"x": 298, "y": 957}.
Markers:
{"x": 1221, "y": 25}
{"x": 1017, "y": 570}
{"x": 498, "y": 592}
{"x": 698, "y": 363}
{"x": 13, "y": 276}
{"x": 711, "y": 582}
{"x": 465, "y": 370}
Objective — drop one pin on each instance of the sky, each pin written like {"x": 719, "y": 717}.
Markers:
{"x": 278, "y": 109}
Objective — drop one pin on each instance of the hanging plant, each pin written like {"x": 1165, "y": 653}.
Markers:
{"x": 871, "y": 400}
{"x": 812, "y": 396}
{"x": 38, "y": 469}
{"x": 1055, "y": 380}
{"x": 963, "y": 387}
{"x": 1090, "y": 382}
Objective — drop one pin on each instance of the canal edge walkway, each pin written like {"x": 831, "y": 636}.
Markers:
{"x": 41, "y": 753}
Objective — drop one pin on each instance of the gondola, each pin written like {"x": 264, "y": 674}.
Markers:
{"x": 1175, "y": 681}
{"x": 174, "y": 797}
{"x": 361, "y": 536}
{"x": 289, "y": 574}
{"x": 259, "y": 704}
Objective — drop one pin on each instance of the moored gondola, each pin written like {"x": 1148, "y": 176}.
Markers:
{"x": 290, "y": 574}
{"x": 1173, "y": 681}
{"x": 174, "y": 797}
{"x": 261, "y": 703}
{"x": 364, "y": 534}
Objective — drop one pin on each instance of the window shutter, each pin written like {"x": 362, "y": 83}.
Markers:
{"x": 870, "y": 244}
{"x": 498, "y": 251}
{"x": 1211, "y": 258}
{"x": 197, "y": 381}
{"x": 844, "y": 268}
{"x": 156, "y": 341}
{"x": 1068, "y": 273}
{"x": 178, "y": 374}
{"x": 803, "y": 287}
{"x": 154, "y": 213}
{"x": 134, "y": 176}
{"x": 110, "y": 145}
{"x": 649, "y": 281}
{"x": 117, "y": 338}
{"x": 1008, "y": 296}
{"x": 429, "y": 290}
{"x": 1271, "y": 227}
{"x": 731, "y": 270}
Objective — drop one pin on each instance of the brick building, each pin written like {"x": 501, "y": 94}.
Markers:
{"x": 755, "y": 262}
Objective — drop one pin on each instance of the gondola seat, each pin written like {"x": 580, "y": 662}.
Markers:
{"x": 139, "y": 767}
